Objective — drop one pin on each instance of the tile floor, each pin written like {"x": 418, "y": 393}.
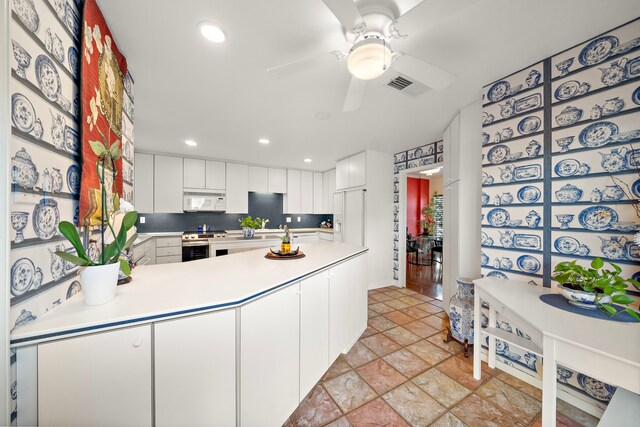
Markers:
{"x": 401, "y": 373}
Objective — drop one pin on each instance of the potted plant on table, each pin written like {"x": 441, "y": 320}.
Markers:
{"x": 595, "y": 287}
{"x": 249, "y": 225}
{"x": 99, "y": 276}
{"x": 428, "y": 221}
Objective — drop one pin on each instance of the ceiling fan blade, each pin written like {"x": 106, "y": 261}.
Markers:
{"x": 346, "y": 12}
{"x": 354, "y": 94}
{"x": 428, "y": 74}
{"x": 428, "y": 13}
{"x": 286, "y": 70}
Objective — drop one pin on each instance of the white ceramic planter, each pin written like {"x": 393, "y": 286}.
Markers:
{"x": 582, "y": 299}
{"x": 99, "y": 283}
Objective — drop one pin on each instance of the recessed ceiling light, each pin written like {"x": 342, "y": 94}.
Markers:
{"x": 212, "y": 32}
{"x": 431, "y": 171}
{"x": 307, "y": 160}
{"x": 190, "y": 143}
{"x": 263, "y": 141}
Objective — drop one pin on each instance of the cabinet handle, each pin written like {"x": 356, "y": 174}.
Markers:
{"x": 138, "y": 342}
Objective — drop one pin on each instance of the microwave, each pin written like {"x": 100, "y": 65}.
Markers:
{"x": 204, "y": 202}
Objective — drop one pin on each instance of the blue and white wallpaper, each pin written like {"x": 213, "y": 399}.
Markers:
{"x": 561, "y": 162}
{"x": 45, "y": 143}
{"x": 427, "y": 154}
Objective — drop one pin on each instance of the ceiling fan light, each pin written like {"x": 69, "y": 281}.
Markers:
{"x": 369, "y": 59}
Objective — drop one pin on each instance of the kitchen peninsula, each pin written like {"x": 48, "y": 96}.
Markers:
{"x": 248, "y": 335}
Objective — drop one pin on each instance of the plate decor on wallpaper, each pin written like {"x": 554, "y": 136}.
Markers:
{"x": 45, "y": 218}
{"x": 566, "y": 245}
{"x": 597, "y": 50}
{"x": 597, "y": 134}
{"x": 635, "y": 97}
{"x": 48, "y": 78}
{"x": 567, "y": 167}
{"x": 498, "y": 217}
{"x": 498, "y": 91}
{"x": 498, "y": 154}
{"x": 73, "y": 179}
{"x": 528, "y": 264}
{"x": 497, "y": 274}
{"x": 597, "y": 218}
{"x": 527, "y": 172}
{"x": 527, "y": 241}
{"x": 635, "y": 188}
{"x": 24, "y": 276}
{"x": 596, "y": 389}
{"x": 23, "y": 115}
{"x": 529, "y": 124}
{"x": 26, "y": 11}
{"x": 570, "y": 89}
{"x": 529, "y": 194}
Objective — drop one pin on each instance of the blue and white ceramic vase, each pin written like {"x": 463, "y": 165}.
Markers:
{"x": 461, "y": 314}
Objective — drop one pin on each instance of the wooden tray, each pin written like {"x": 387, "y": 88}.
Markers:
{"x": 299, "y": 255}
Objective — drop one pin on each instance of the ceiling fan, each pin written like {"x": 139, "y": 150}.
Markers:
{"x": 369, "y": 27}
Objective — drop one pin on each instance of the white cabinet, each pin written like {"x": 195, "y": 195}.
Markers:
{"x": 328, "y": 188}
{"x": 168, "y": 250}
{"x": 314, "y": 330}
{"x": 277, "y": 182}
{"x": 167, "y": 184}
{"x": 342, "y": 174}
{"x": 258, "y": 179}
{"x": 99, "y": 380}
{"x": 338, "y": 310}
{"x": 306, "y": 192}
{"x": 270, "y": 358}
{"x": 292, "y": 198}
{"x": 216, "y": 175}
{"x": 451, "y": 144}
{"x": 358, "y": 296}
{"x": 318, "y": 193}
{"x": 194, "y": 173}
{"x": 143, "y": 183}
{"x": 305, "y": 238}
{"x": 352, "y": 171}
{"x": 237, "y": 188}
{"x": 358, "y": 170}
{"x": 195, "y": 370}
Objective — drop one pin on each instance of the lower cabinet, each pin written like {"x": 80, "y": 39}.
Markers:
{"x": 96, "y": 380}
{"x": 358, "y": 295}
{"x": 195, "y": 370}
{"x": 314, "y": 330}
{"x": 270, "y": 358}
{"x": 338, "y": 310}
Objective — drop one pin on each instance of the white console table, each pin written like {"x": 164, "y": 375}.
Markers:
{"x": 606, "y": 350}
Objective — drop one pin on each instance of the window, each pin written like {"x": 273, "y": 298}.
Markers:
{"x": 438, "y": 211}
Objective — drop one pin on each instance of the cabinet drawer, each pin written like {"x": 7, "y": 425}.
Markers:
{"x": 138, "y": 252}
{"x": 326, "y": 237}
{"x": 164, "y": 242}
{"x": 150, "y": 245}
{"x": 168, "y": 259}
{"x": 169, "y": 251}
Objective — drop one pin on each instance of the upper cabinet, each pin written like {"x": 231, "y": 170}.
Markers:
{"x": 306, "y": 192}
{"x": 292, "y": 198}
{"x": 204, "y": 175}
{"x": 328, "y": 188}
{"x": 167, "y": 184}
{"x": 277, "y": 182}
{"x": 267, "y": 180}
{"x": 216, "y": 176}
{"x": 143, "y": 183}
{"x": 351, "y": 172}
{"x": 451, "y": 143}
{"x": 237, "y": 188}
{"x": 318, "y": 193}
{"x": 258, "y": 179}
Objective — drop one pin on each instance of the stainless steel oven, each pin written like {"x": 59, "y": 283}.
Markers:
{"x": 196, "y": 245}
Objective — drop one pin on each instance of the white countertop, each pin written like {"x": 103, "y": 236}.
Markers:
{"x": 174, "y": 290}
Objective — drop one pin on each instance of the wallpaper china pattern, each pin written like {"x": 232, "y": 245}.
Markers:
{"x": 571, "y": 125}
{"x": 45, "y": 147}
{"x": 419, "y": 156}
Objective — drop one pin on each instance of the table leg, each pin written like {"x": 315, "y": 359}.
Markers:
{"x": 549, "y": 391}
{"x": 477, "y": 336}
{"x": 491, "y": 355}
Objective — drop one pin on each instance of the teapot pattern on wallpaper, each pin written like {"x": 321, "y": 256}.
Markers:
{"x": 594, "y": 151}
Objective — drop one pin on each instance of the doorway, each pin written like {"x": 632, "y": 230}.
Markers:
{"x": 421, "y": 217}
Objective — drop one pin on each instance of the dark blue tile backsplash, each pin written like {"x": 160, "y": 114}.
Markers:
{"x": 264, "y": 205}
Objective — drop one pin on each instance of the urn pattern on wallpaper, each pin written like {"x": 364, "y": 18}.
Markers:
{"x": 587, "y": 157}
{"x": 45, "y": 155}
{"x": 419, "y": 156}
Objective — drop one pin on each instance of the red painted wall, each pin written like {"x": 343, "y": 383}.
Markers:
{"x": 417, "y": 198}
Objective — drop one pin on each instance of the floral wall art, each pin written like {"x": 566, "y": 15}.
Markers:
{"x": 46, "y": 172}
{"x": 560, "y": 180}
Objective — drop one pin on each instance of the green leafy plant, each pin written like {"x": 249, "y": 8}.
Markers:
{"x": 110, "y": 253}
{"x": 248, "y": 221}
{"x": 600, "y": 281}
{"x": 428, "y": 221}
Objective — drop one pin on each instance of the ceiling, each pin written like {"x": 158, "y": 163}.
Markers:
{"x": 220, "y": 95}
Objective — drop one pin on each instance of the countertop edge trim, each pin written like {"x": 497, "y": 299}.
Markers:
{"x": 38, "y": 339}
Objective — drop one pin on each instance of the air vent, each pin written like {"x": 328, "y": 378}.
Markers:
{"x": 405, "y": 84}
{"x": 399, "y": 83}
